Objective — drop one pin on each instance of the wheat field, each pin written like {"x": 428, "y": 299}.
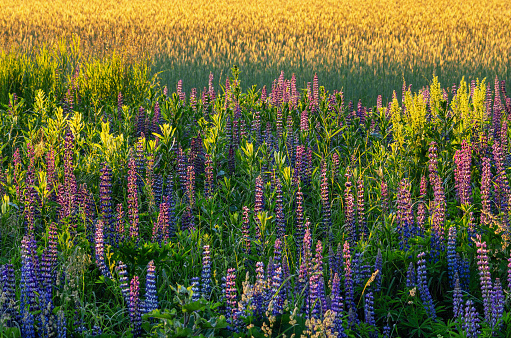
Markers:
{"x": 365, "y": 47}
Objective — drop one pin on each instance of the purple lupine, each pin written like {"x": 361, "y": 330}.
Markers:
{"x": 279, "y": 211}
{"x": 195, "y": 289}
{"x": 485, "y": 192}
{"x": 362, "y": 221}
{"x": 497, "y": 308}
{"x": 231, "y": 297}
{"x": 325, "y": 201}
{"x": 298, "y": 175}
{"x": 314, "y": 301}
{"x": 350, "y": 210}
{"x": 141, "y": 122}
{"x": 457, "y": 300}
{"x": 208, "y": 183}
{"x": 421, "y": 209}
{"x": 123, "y": 281}
{"x": 410, "y": 277}
{"x": 51, "y": 174}
{"x": 438, "y": 207}
{"x": 161, "y": 227}
{"x": 169, "y": 200}
{"x": 278, "y": 300}
{"x": 27, "y": 325}
{"x": 119, "y": 225}
{"x": 133, "y": 200}
{"x": 452, "y": 262}
{"x": 100, "y": 249}
{"x": 135, "y": 307}
{"x": 384, "y": 197}
{"x": 188, "y": 217}
{"x": 369, "y": 309}
{"x": 151, "y": 298}
{"x": 206, "y": 273}
{"x": 464, "y": 271}
{"x": 404, "y": 213}
{"x": 463, "y": 159}
{"x": 140, "y": 161}
{"x": 105, "y": 192}
{"x": 29, "y": 279}
{"x": 378, "y": 266}
{"x": 503, "y": 192}
{"x": 8, "y": 291}
{"x": 49, "y": 261}
{"x": 470, "y": 321}
{"x": 337, "y": 305}
{"x": 304, "y": 122}
{"x": 422, "y": 284}
{"x": 61, "y": 325}
{"x": 246, "y": 230}
{"x": 348, "y": 280}
{"x": 485, "y": 277}
{"x": 509, "y": 273}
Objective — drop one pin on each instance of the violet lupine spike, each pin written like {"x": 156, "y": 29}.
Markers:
{"x": 193, "y": 100}
{"x": 438, "y": 207}
{"x": 298, "y": 175}
{"x": 105, "y": 197}
{"x": 278, "y": 299}
{"x": 285, "y": 278}
{"x": 123, "y": 280}
{"x": 169, "y": 200}
{"x": 422, "y": 284}
{"x": 421, "y": 209}
{"x": 485, "y": 277}
{"x": 246, "y": 230}
{"x": 161, "y": 228}
{"x": 259, "y": 290}
{"x": 349, "y": 211}
{"x": 337, "y": 305}
{"x": 503, "y": 190}
{"x": 195, "y": 289}
{"x": 457, "y": 301}
{"x": 378, "y": 265}
{"x": 140, "y": 161}
{"x": 206, "y": 273}
{"x": 497, "y": 309}
{"x": 452, "y": 262}
{"x": 304, "y": 122}
{"x": 8, "y": 291}
{"x": 133, "y": 201}
{"x": 509, "y": 274}
{"x": 363, "y": 231}
{"x": 157, "y": 189}
{"x": 151, "y": 298}
{"x": 135, "y": 307}
{"x": 51, "y": 174}
{"x": 485, "y": 192}
{"x": 141, "y": 122}
{"x": 49, "y": 261}
{"x": 208, "y": 183}
{"x": 348, "y": 280}
{"x": 29, "y": 287}
{"x": 384, "y": 197}
{"x": 100, "y": 249}
{"x": 470, "y": 321}
{"x": 119, "y": 225}
{"x": 325, "y": 202}
{"x": 231, "y": 297}
{"x": 279, "y": 211}
{"x": 188, "y": 217}
{"x": 314, "y": 301}
{"x": 369, "y": 309}
{"x": 410, "y": 277}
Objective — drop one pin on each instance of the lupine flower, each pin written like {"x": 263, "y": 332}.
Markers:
{"x": 151, "y": 298}
{"x": 259, "y": 289}
{"x": 404, "y": 213}
{"x": 325, "y": 201}
{"x": 464, "y": 271}
{"x": 119, "y": 226}
{"x": 133, "y": 200}
{"x": 348, "y": 280}
{"x": 123, "y": 280}
{"x": 503, "y": 191}
{"x": 497, "y": 299}
{"x": 279, "y": 211}
{"x": 410, "y": 277}
{"x": 51, "y": 174}
{"x": 195, "y": 289}
{"x": 134, "y": 307}
{"x": 314, "y": 302}
{"x": 298, "y": 175}
{"x": 29, "y": 279}
{"x": 438, "y": 208}
{"x": 350, "y": 210}
{"x": 384, "y": 197}
{"x": 230, "y": 295}
{"x": 49, "y": 261}
{"x": 161, "y": 227}
{"x": 452, "y": 262}
{"x": 304, "y": 122}
{"x": 27, "y": 322}
{"x": 105, "y": 191}
{"x": 100, "y": 249}
{"x": 457, "y": 301}
{"x": 337, "y": 305}
{"x": 246, "y": 230}
{"x": 8, "y": 283}
{"x": 509, "y": 273}
{"x": 378, "y": 265}
{"x": 485, "y": 277}
{"x": 485, "y": 192}
{"x": 140, "y": 161}
{"x": 169, "y": 200}
{"x": 278, "y": 300}
{"x": 208, "y": 184}
{"x": 422, "y": 284}
{"x": 206, "y": 273}
{"x": 61, "y": 325}
{"x": 141, "y": 122}
{"x": 369, "y": 309}
{"x": 463, "y": 158}
{"x": 470, "y": 321}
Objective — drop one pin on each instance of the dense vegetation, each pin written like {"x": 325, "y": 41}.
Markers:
{"x": 128, "y": 209}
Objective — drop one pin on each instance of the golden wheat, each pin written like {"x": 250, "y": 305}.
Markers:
{"x": 349, "y": 40}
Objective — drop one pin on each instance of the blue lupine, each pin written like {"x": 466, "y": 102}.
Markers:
{"x": 369, "y": 308}
{"x": 100, "y": 250}
{"x": 470, "y": 321}
{"x": 61, "y": 325}
{"x": 27, "y": 325}
{"x": 337, "y": 305}
{"x": 105, "y": 192}
{"x": 195, "y": 289}
{"x": 8, "y": 283}
{"x": 206, "y": 273}
{"x": 378, "y": 265}
{"x": 123, "y": 281}
{"x": 452, "y": 262}
{"x": 498, "y": 300}
{"x": 422, "y": 284}
{"x": 457, "y": 301}
{"x": 410, "y": 277}
{"x": 134, "y": 307}
{"x": 151, "y": 298}
{"x": 485, "y": 277}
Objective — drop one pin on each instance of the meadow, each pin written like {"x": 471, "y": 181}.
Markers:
{"x": 309, "y": 179}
